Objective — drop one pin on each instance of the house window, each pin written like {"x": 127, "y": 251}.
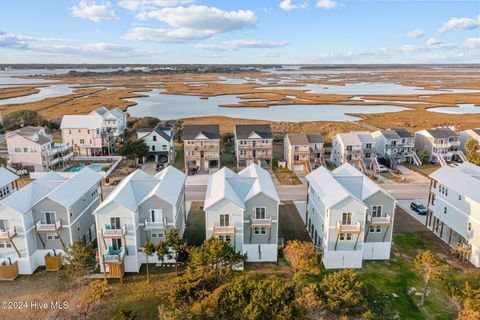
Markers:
{"x": 82, "y": 141}
{"x": 153, "y": 148}
{"x": 5, "y": 244}
{"x": 460, "y": 197}
{"x": 375, "y": 229}
{"x": 25, "y": 150}
{"x": 156, "y": 215}
{"x": 345, "y": 236}
{"x": 4, "y": 225}
{"x": 260, "y": 213}
{"x": 53, "y": 237}
{"x": 469, "y": 226}
{"x": 69, "y": 131}
{"x": 115, "y": 223}
{"x": 18, "y": 150}
{"x": 445, "y": 210}
{"x": 224, "y": 220}
{"x": 50, "y": 217}
{"x": 225, "y": 238}
{"x": 154, "y": 138}
{"x": 376, "y": 211}
{"x": 261, "y": 231}
{"x": 347, "y": 218}
{"x": 116, "y": 244}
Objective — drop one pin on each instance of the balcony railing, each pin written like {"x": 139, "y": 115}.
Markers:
{"x": 109, "y": 232}
{"x": 157, "y": 225}
{"x": 113, "y": 256}
{"x": 43, "y": 226}
{"x": 349, "y": 228}
{"x": 384, "y": 220}
{"x": 8, "y": 234}
{"x": 261, "y": 223}
{"x": 223, "y": 230}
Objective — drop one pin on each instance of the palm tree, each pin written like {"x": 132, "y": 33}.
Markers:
{"x": 148, "y": 250}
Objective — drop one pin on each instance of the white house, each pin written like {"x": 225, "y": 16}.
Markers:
{"x": 356, "y": 148}
{"x": 441, "y": 144}
{"x": 454, "y": 209}
{"x": 34, "y": 149}
{"x": 349, "y": 217}
{"x": 115, "y": 119}
{"x": 141, "y": 208}
{"x": 160, "y": 142}
{"x": 48, "y": 215}
{"x": 396, "y": 145}
{"x": 467, "y": 135}
{"x": 243, "y": 210}
{"x": 8, "y": 182}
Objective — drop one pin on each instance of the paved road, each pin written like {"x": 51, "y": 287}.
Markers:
{"x": 406, "y": 191}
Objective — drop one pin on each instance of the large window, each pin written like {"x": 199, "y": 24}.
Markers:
{"x": 347, "y": 218}
{"x": 156, "y": 215}
{"x": 4, "y": 225}
{"x": 376, "y": 211}
{"x": 50, "y": 217}
{"x": 260, "y": 213}
{"x": 224, "y": 220}
{"x": 115, "y": 222}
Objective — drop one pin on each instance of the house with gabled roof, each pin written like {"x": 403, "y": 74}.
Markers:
{"x": 301, "y": 150}
{"x": 454, "y": 209}
{"x": 115, "y": 119}
{"x": 441, "y": 144}
{"x": 45, "y": 217}
{"x": 356, "y": 148}
{"x": 201, "y": 145}
{"x": 159, "y": 141}
{"x": 8, "y": 183}
{"x": 349, "y": 217}
{"x": 396, "y": 145}
{"x": 141, "y": 208}
{"x": 242, "y": 209}
{"x": 253, "y": 144}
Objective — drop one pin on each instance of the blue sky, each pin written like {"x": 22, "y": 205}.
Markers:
{"x": 256, "y": 31}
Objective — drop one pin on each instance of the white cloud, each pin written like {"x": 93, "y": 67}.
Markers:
{"x": 242, "y": 43}
{"x": 414, "y": 34}
{"x": 287, "y": 5}
{"x": 433, "y": 42}
{"x": 191, "y": 23}
{"x": 472, "y": 43}
{"x": 459, "y": 24}
{"x": 94, "y": 11}
{"x": 136, "y": 5}
{"x": 326, "y": 4}
{"x": 167, "y": 35}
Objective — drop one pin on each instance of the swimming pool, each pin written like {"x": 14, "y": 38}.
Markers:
{"x": 94, "y": 166}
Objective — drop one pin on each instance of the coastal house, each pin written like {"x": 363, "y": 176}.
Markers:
{"x": 396, "y": 145}
{"x": 88, "y": 134}
{"x": 349, "y": 217}
{"x": 441, "y": 144}
{"x": 301, "y": 150}
{"x": 34, "y": 149}
{"x": 201, "y": 145}
{"x": 253, "y": 144}
{"x": 356, "y": 148}
{"x": 243, "y": 210}
{"x": 8, "y": 182}
{"x": 115, "y": 119}
{"x": 454, "y": 209}
{"x": 141, "y": 209}
{"x": 466, "y": 135}
{"x": 44, "y": 218}
{"x": 160, "y": 143}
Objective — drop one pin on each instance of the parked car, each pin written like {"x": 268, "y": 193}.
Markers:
{"x": 419, "y": 208}
{"x": 383, "y": 168}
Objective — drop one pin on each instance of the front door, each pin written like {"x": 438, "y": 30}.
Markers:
{"x": 116, "y": 244}
{"x": 156, "y": 215}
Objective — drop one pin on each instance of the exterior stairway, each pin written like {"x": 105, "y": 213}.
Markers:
{"x": 462, "y": 156}
{"x": 376, "y": 166}
{"x": 416, "y": 159}
{"x": 441, "y": 160}
{"x": 308, "y": 167}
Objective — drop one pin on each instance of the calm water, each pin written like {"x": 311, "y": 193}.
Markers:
{"x": 55, "y": 90}
{"x": 167, "y": 106}
{"x": 464, "y": 108}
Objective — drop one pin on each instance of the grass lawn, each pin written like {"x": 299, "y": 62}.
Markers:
{"x": 195, "y": 228}
{"x": 228, "y": 159}
{"x": 284, "y": 175}
{"x": 424, "y": 169}
{"x": 179, "y": 158}
{"x": 291, "y": 224}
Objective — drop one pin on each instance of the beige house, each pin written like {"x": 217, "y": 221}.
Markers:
{"x": 34, "y": 149}
{"x": 202, "y": 148}
{"x": 441, "y": 144}
{"x": 253, "y": 144}
{"x": 88, "y": 134}
{"x": 302, "y": 150}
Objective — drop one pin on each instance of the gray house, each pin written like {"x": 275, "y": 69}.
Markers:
{"x": 142, "y": 208}
{"x": 49, "y": 214}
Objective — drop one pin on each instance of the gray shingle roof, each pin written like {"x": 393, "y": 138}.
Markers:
{"x": 442, "y": 132}
{"x": 300, "y": 138}
{"x": 243, "y": 131}
{"x": 211, "y": 131}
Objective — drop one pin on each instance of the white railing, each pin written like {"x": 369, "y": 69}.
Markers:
{"x": 42, "y": 226}
{"x": 160, "y": 225}
{"x": 261, "y": 222}
{"x": 223, "y": 230}
{"x": 348, "y": 228}
{"x": 113, "y": 257}
{"x": 8, "y": 233}
{"x": 386, "y": 219}
{"x": 110, "y": 232}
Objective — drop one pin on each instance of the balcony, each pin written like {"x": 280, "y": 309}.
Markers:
{"x": 223, "y": 230}
{"x": 157, "y": 225}
{"x": 261, "y": 223}
{"x": 379, "y": 221}
{"x": 113, "y": 233}
{"x": 43, "y": 226}
{"x": 349, "y": 228}
{"x": 8, "y": 234}
{"x": 113, "y": 256}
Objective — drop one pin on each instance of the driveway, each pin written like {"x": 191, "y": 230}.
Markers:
{"x": 416, "y": 185}
{"x": 405, "y": 206}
